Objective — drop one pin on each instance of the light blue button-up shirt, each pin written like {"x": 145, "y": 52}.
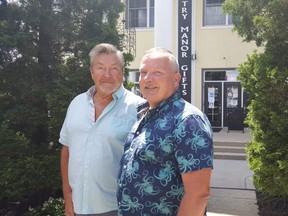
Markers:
{"x": 95, "y": 148}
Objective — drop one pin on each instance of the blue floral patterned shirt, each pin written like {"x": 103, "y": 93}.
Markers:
{"x": 169, "y": 140}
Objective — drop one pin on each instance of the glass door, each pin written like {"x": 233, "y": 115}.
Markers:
{"x": 232, "y": 97}
{"x": 213, "y": 103}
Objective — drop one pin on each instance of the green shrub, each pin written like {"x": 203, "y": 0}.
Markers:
{"x": 52, "y": 207}
{"x": 25, "y": 169}
{"x": 13, "y": 162}
{"x": 267, "y": 87}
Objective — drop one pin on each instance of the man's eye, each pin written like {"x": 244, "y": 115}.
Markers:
{"x": 114, "y": 68}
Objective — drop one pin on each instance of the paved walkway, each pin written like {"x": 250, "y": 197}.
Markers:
{"x": 232, "y": 136}
{"x": 232, "y": 189}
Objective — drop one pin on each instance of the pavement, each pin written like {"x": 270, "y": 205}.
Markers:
{"x": 232, "y": 189}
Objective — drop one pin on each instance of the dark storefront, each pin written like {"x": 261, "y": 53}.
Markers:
{"x": 223, "y": 99}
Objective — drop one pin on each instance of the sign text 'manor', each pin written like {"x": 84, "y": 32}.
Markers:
{"x": 184, "y": 47}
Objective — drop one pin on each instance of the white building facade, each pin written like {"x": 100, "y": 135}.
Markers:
{"x": 200, "y": 35}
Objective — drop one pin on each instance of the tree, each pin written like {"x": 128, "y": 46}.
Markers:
{"x": 85, "y": 24}
{"x": 44, "y": 63}
{"x": 264, "y": 77}
{"x": 29, "y": 63}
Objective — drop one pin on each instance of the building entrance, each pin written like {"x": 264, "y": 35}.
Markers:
{"x": 222, "y": 94}
{"x": 232, "y": 98}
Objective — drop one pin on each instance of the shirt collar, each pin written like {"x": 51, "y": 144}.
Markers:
{"x": 143, "y": 108}
{"x": 175, "y": 96}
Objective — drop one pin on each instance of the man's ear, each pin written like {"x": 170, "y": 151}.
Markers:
{"x": 177, "y": 77}
{"x": 91, "y": 72}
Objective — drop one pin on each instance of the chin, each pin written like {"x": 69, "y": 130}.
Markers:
{"x": 109, "y": 90}
{"x": 149, "y": 96}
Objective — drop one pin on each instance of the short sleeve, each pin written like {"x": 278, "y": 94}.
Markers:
{"x": 193, "y": 144}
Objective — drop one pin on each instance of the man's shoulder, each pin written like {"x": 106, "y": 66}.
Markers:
{"x": 133, "y": 98}
{"x": 190, "y": 108}
{"x": 79, "y": 100}
{"x": 80, "y": 97}
{"x": 185, "y": 109}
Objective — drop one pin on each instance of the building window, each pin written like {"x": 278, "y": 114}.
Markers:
{"x": 213, "y": 14}
{"x": 215, "y": 75}
{"x": 140, "y": 13}
{"x": 225, "y": 75}
{"x": 134, "y": 77}
{"x": 151, "y": 13}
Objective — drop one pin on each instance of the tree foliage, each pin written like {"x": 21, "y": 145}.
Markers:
{"x": 25, "y": 170}
{"x": 264, "y": 77}
{"x": 44, "y": 63}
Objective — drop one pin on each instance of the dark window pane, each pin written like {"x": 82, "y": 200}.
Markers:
{"x": 138, "y": 18}
{"x": 214, "y": 2}
{"x": 214, "y": 16}
{"x": 151, "y": 17}
{"x": 137, "y": 13}
{"x": 215, "y": 75}
{"x": 137, "y": 4}
{"x": 230, "y": 21}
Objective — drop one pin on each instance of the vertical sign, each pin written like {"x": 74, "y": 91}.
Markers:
{"x": 184, "y": 47}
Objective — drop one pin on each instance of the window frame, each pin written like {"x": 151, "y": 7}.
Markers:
{"x": 227, "y": 18}
{"x": 149, "y": 14}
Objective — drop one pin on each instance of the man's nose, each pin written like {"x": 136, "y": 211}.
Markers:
{"x": 108, "y": 72}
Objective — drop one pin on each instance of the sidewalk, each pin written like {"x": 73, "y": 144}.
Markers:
{"x": 232, "y": 136}
{"x": 232, "y": 189}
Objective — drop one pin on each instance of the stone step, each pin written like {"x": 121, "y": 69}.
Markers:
{"x": 230, "y": 156}
{"x": 230, "y": 150}
{"x": 235, "y": 144}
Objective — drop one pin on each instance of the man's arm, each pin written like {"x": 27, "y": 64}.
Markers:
{"x": 196, "y": 192}
{"x": 67, "y": 191}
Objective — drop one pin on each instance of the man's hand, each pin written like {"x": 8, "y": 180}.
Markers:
{"x": 69, "y": 209}
{"x": 67, "y": 190}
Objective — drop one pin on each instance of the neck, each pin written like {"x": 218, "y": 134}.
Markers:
{"x": 102, "y": 98}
